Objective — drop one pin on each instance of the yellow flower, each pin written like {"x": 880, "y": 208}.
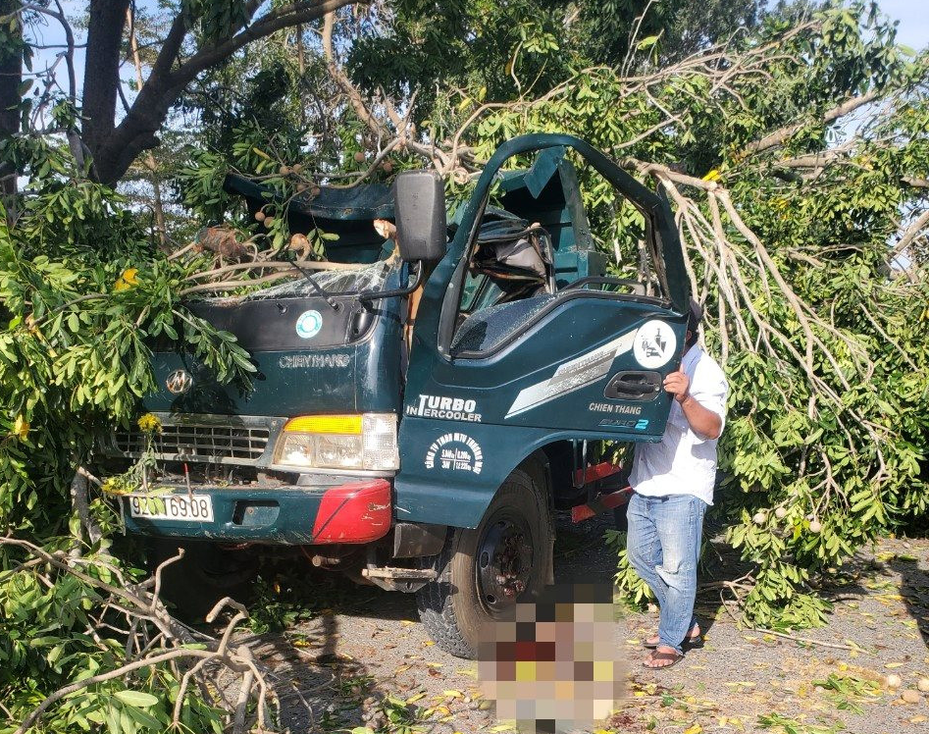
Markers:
{"x": 711, "y": 175}
{"x": 127, "y": 280}
{"x": 21, "y": 428}
{"x": 149, "y": 423}
{"x": 113, "y": 485}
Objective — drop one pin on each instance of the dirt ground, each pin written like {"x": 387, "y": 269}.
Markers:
{"x": 363, "y": 660}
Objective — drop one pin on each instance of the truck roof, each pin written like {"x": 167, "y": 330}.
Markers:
{"x": 362, "y": 202}
{"x": 547, "y": 192}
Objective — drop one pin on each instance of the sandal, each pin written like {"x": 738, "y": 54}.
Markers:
{"x": 656, "y": 656}
{"x": 691, "y": 642}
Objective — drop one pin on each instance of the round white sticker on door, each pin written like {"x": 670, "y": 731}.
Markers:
{"x": 654, "y": 344}
{"x": 309, "y": 324}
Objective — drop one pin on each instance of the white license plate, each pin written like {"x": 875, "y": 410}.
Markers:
{"x": 173, "y": 507}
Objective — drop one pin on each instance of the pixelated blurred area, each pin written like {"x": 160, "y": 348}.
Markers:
{"x": 552, "y": 665}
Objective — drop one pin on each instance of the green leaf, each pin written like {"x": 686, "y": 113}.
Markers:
{"x": 138, "y": 699}
{"x": 146, "y": 719}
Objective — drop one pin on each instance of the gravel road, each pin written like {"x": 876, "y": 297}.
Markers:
{"x": 363, "y": 659}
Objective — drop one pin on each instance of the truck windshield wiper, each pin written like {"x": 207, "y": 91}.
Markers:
{"x": 316, "y": 286}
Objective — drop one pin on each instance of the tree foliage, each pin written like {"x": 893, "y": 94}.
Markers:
{"x": 504, "y": 51}
{"x": 83, "y": 292}
{"x": 787, "y": 218}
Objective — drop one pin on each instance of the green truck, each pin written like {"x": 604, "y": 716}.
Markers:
{"x": 419, "y": 412}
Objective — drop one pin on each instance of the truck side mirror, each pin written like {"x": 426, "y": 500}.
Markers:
{"x": 420, "y": 216}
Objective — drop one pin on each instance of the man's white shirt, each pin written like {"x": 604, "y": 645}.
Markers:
{"x": 683, "y": 462}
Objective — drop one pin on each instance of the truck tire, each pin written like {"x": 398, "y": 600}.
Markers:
{"x": 483, "y": 572}
{"x": 205, "y": 574}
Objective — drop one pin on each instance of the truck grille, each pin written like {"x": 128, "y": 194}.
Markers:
{"x": 200, "y": 442}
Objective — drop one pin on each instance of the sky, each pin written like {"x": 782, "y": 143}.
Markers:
{"x": 915, "y": 20}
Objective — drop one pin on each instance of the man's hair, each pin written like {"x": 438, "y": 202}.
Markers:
{"x": 695, "y": 314}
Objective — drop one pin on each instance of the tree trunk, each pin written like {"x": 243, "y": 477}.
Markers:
{"x": 101, "y": 71}
{"x": 115, "y": 147}
{"x": 11, "y": 77}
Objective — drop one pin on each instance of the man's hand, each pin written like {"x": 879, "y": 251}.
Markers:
{"x": 677, "y": 383}
{"x": 704, "y": 422}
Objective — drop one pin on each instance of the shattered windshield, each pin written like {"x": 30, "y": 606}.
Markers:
{"x": 348, "y": 278}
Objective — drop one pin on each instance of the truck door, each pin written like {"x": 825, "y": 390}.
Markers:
{"x": 490, "y": 380}
{"x": 584, "y": 359}
{"x": 586, "y": 353}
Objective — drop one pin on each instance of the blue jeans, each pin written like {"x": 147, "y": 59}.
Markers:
{"x": 663, "y": 545}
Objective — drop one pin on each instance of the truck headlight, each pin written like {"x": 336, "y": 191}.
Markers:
{"x": 367, "y": 441}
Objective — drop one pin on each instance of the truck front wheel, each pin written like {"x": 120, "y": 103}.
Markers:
{"x": 483, "y": 572}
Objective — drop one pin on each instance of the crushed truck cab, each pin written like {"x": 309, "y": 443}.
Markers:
{"x": 422, "y": 401}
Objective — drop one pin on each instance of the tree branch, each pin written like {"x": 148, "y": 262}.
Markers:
{"x": 778, "y": 137}
{"x": 114, "y": 153}
{"x": 355, "y": 97}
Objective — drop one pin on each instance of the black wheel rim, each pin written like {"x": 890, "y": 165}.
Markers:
{"x": 504, "y": 562}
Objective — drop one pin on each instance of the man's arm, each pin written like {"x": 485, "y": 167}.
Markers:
{"x": 704, "y": 422}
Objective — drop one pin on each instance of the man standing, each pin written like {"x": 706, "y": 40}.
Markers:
{"x": 673, "y": 484}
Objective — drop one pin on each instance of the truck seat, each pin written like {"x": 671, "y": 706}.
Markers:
{"x": 488, "y": 327}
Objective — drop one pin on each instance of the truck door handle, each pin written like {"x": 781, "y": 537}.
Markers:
{"x": 633, "y": 386}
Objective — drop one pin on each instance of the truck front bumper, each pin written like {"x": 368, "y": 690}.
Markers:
{"x": 356, "y": 512}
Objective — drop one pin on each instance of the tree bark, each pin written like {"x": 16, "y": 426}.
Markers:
{"x": 11, "y": 77}
{"x": 101, "y": 71}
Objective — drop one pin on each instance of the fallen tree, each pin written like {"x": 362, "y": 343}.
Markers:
{"x": 122, "y": 661}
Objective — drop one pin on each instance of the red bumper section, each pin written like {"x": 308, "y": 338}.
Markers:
{"x": 354, "y": 513}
